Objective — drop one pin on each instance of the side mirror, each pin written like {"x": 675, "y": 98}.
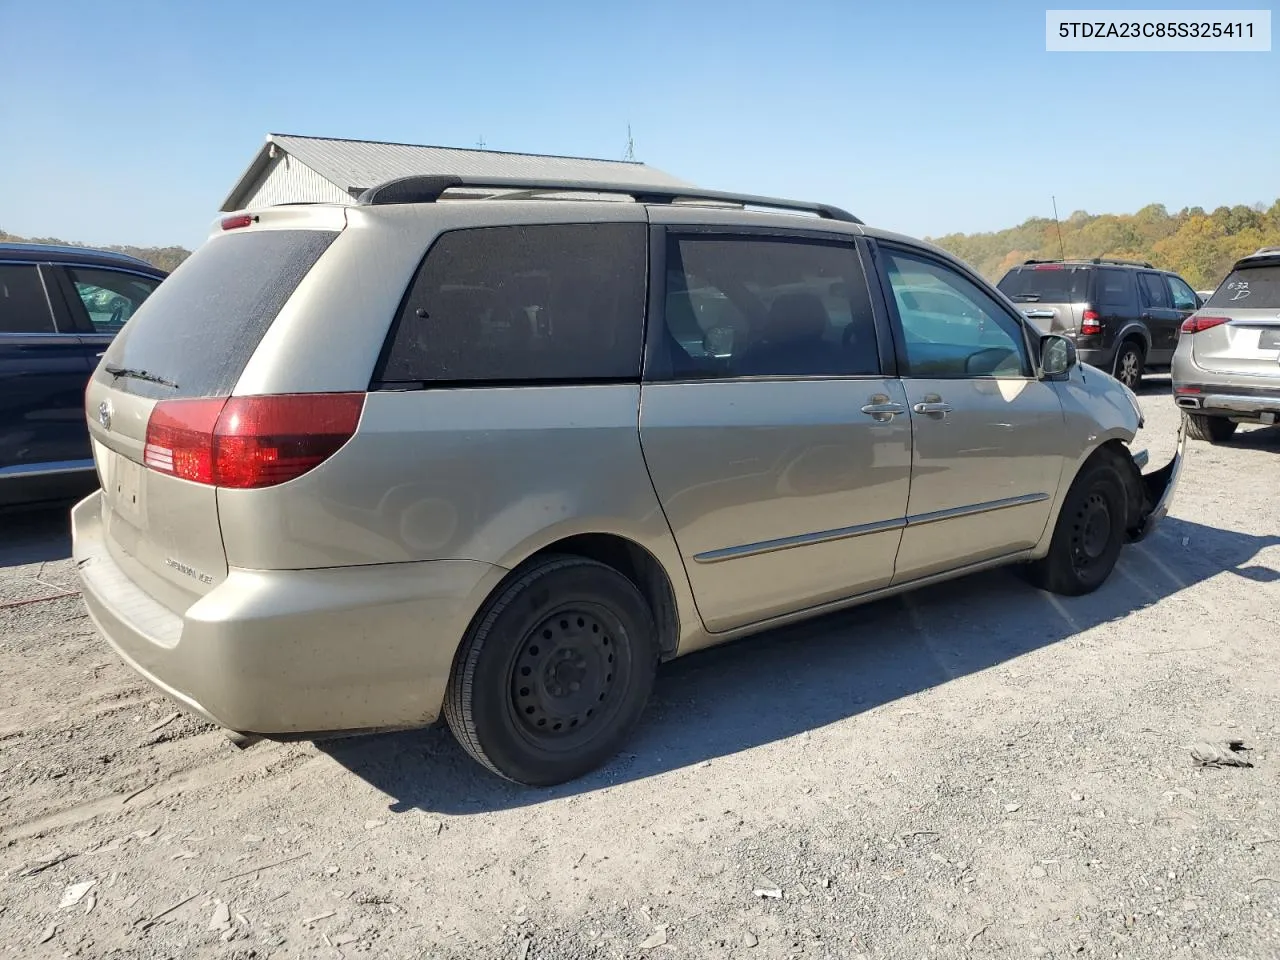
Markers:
{"x": 1057, "y": 355}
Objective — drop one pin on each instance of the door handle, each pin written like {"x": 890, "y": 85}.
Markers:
{"x": 933, "y": 406}
{"x": 883, "y": 409}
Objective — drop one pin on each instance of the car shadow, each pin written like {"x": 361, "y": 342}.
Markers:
{"x": 1258, "y": 438}
{"x": 782, "y": 683}
{"x": 35, "y": 534}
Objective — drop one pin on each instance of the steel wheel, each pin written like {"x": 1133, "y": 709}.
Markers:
{"x": 1091, "y": 532}
{"x": 554, "y": 671}
{"x": 566, "y": 674}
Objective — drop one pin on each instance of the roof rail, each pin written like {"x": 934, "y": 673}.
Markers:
{"x": 1122, "y": 263}
{"x": 429, "y": 189}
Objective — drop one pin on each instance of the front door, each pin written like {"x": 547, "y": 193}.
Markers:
{"x": 1161, "y": 318}
{"x": 986, "y": 432}
{"x": 779, "y": 450}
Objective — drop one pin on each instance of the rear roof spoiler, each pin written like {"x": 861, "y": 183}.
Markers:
{"x": 429, "y": 189}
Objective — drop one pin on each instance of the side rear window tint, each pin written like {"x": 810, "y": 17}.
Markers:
{"x": 755, "y": 307}
{"x": 23, "y": 305}
{"x": 1115, "y": 288}
{"x": 524, "y": 304}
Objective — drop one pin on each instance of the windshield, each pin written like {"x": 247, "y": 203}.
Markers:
{"x": 1046, "y": 283}
{"x": 1252, "y": 288}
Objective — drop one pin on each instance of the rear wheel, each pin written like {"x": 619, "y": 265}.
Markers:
{"x": 1129, "y": 364}
{"x": 1213, "y": 429}
{"x": 554, "y": 674}
{"x": 1089, "y": 534}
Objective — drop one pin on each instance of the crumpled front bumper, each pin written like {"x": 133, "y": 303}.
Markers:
{"x": 1158, "y": 487}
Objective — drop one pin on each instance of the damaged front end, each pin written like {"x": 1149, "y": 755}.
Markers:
{"x": 1151, "y": 493}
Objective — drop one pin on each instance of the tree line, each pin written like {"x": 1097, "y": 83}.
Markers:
{"x": 166, "y": 258}
{"x": 1199, "y": 246}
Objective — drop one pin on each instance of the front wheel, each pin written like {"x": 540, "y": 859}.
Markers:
{"x": 1129, "y": 364}
{"x": 1090, "y": 532}
{"x": 554, "y": 673}
{"x": 1213, "y": 429}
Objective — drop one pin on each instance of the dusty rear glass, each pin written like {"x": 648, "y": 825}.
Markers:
{"x": 547, "y": 303}
{"x": 1046, "y": 283}
{"x": 202, "y": 324}
{"x": 1252, "y": 288}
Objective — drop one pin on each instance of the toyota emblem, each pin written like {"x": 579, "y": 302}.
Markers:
{"x": 104, "y": 414}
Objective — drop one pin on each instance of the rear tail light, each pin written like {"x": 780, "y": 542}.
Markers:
{"x": 1090, "y": 323}
{"x": 1198, "y": 324}
{"x": 249, "y": 442}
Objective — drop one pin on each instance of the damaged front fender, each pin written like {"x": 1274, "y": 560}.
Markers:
{"x": 1152, "y": 493}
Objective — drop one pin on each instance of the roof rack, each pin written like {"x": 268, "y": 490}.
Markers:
{"x": 1119, "y": 263}
{"x": 429, "y": 189}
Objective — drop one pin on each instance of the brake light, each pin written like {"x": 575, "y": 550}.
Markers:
{"x": 1199, "y": 324}
{"x": 240, "y": 220}
{"x": 1090, "y": 323}
{"x": 1048, "y": 266}
{"x": 249, "y": 442}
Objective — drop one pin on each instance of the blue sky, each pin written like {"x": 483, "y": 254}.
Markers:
{"x": 129, "y": 121}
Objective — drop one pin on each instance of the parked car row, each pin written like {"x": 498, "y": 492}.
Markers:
{"x": 492, "y": 460}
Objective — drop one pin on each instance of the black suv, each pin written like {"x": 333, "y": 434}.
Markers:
{"x": 1124, "y": 315}
{"x": 59, "y": 309}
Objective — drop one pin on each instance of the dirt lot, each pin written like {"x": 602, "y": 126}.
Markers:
{"x": 979, "y": 770}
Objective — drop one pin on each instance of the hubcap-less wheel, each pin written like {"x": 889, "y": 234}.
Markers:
{"x": 1091, "y": 532}
{"x": 1129, "y": 368}
{"x": 564, "y": 673}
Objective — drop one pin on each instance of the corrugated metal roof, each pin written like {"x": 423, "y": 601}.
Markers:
{"x": 359, "y": 164}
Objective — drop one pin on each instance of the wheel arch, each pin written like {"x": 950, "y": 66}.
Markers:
{"x": 631, "y": 559}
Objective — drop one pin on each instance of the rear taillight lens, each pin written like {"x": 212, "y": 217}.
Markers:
{"x": 1090, "y": 323}
{"x": 1198, "y": 324}
{"x": 249, "y": 442}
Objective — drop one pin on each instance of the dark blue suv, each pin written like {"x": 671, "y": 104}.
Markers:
{"x": 59, "y": 309}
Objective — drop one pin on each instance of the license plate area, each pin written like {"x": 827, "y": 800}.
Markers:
{"x": 1269, "y": 339}
{"x": 127, "y": 489}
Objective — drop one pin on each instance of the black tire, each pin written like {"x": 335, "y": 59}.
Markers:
{"x": 554, "y": 673}
{"x": 1213, "y": 429}
{"x": 1089, "y": 534}
{"x": 1130, "y": 361}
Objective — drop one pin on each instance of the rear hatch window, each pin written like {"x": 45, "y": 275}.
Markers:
{"x": 194, "y": 336}
{"x": 1046, "y": 283}
{"x": 1250, "y": 288}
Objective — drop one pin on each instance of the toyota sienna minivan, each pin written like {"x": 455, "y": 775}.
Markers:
{"x": 492, "y": 450}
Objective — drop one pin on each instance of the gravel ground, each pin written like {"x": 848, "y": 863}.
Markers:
{"x": 977, "y": 770}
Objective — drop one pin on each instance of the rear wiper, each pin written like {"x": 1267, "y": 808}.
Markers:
{"x": 139, "y": 375}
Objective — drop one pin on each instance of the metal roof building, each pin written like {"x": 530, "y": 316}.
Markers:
{"x": 291, "y": 169}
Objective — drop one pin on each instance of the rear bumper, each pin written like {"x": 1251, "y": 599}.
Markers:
{"x": 291, "y": 652}
{"x": 1104, "y": 358}
{"x": 1224, "y": 402}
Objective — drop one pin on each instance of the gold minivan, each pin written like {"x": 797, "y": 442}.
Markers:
{"x": 492, "y": 450}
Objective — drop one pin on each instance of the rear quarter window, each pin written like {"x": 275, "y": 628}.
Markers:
{"x": 547, "y": 303}
{"x": 203, "y": 323}
{"x": 1046, "y": 283}
{"x": 1251, "y": 288}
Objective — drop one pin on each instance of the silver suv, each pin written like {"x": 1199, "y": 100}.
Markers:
{"x": 1226, "y": 370}
{"x": 487, "y": 451}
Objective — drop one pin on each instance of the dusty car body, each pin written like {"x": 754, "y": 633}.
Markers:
{"x": 495, "y": 456}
